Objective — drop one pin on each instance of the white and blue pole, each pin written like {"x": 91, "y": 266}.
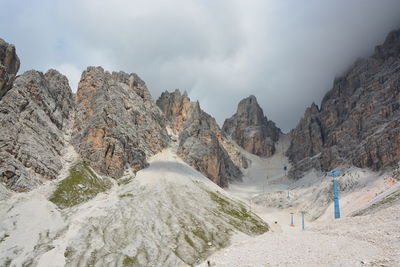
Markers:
{"x": 302, "y": 219}
{"x": 335, "y": 192}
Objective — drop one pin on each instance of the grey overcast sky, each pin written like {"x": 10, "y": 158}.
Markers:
{"x": 285, "y": 52}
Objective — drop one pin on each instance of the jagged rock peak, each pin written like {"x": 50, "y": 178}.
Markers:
{"x": 176, "y": 107}
{"x": 33, "y": 116}
{"x": 251, "y": 129}
{"x": 391, "y": 46}
{"x": 250, "y": 111}
{"x": 117, "y": 124}
{"x": 201, "y": 143}
{"x": 313, "y": 108}
{"x": 359, "y": 120}
{"x": 9, "y": 66}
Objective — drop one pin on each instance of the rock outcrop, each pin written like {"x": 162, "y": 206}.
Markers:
{"x": 200, "y": 138}
{"x": 9, "y": 66}
{"x": 251, "y": 129}
{"x": 33, "y": 116}
{"x": 359, "y": 119}
{"x": 117, "y": 124}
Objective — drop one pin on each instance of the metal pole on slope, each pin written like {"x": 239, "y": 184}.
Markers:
{"x": 302, "y": 219}
{"x": 335, "y": 192}
{"x": 291, "y": 219}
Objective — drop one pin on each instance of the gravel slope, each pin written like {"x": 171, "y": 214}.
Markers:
{"x": 370, "y": 240}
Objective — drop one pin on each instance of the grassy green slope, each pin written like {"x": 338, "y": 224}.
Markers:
{"x": 81, "y": 185}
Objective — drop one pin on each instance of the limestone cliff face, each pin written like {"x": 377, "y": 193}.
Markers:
{"x": 251, "y": 129}
{"x": 359, "y": 119}
{"x": 9, "y": 66}
{"x": 200, "y": 139}
{"x": 308, "y": 129}
{"x": 117, "y": 124}
{"x": 33, "y": 116}
{"x": 177, "y": 108}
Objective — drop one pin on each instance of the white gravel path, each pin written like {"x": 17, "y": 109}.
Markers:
{"x": 299, "y": 249}
{"x": 372, "y": 240}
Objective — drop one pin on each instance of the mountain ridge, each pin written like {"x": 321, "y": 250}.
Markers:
{"x": 201, "y": 143}
{"x": 117, "y": 125}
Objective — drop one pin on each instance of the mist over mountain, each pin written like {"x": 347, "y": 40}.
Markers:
{"x": 272, "y": 49}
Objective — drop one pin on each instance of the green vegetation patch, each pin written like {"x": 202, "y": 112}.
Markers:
{"x": 129, "y": 261}
{"x": 7, "y": 262}
{"x": 125, "y": 180}
{"x": 239, "y": 217}
{"x": 201, "y": 234}
{"x": 189, "y": 241}
{"x": 126, "y": 195}
{"x": 92, "y": 259}
{"x": 69, "y": 253}
{"x": 81, "y": 185}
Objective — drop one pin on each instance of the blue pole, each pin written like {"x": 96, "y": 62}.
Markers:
{"x": 336, "y": 198}
{"x": 335, "y": 193}
{"x": 302, "y": 219}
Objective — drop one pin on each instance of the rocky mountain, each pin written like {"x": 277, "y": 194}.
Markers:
{"x": 201, "y": 143}
{"x": 34, "y": 115}
{"x": 251, "y": 129}
{"x": 114, "y": 124}
{"x": 359, "y": 119}
{"x": 117, "y": 124}
{"x": 9, "y": 66}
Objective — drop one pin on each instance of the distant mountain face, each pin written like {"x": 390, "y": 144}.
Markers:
{"x": 201, "y": 143}
{"x": 251, "y": 129}
{"x": 117, "y": 124}
{"x": 359, "y": 119}
{"x": 112, "y": 123}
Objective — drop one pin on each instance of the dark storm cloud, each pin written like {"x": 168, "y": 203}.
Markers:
{"x": 287, "y": 53}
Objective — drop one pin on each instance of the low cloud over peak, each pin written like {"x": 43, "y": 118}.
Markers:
{"x": 286, "y": 53}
